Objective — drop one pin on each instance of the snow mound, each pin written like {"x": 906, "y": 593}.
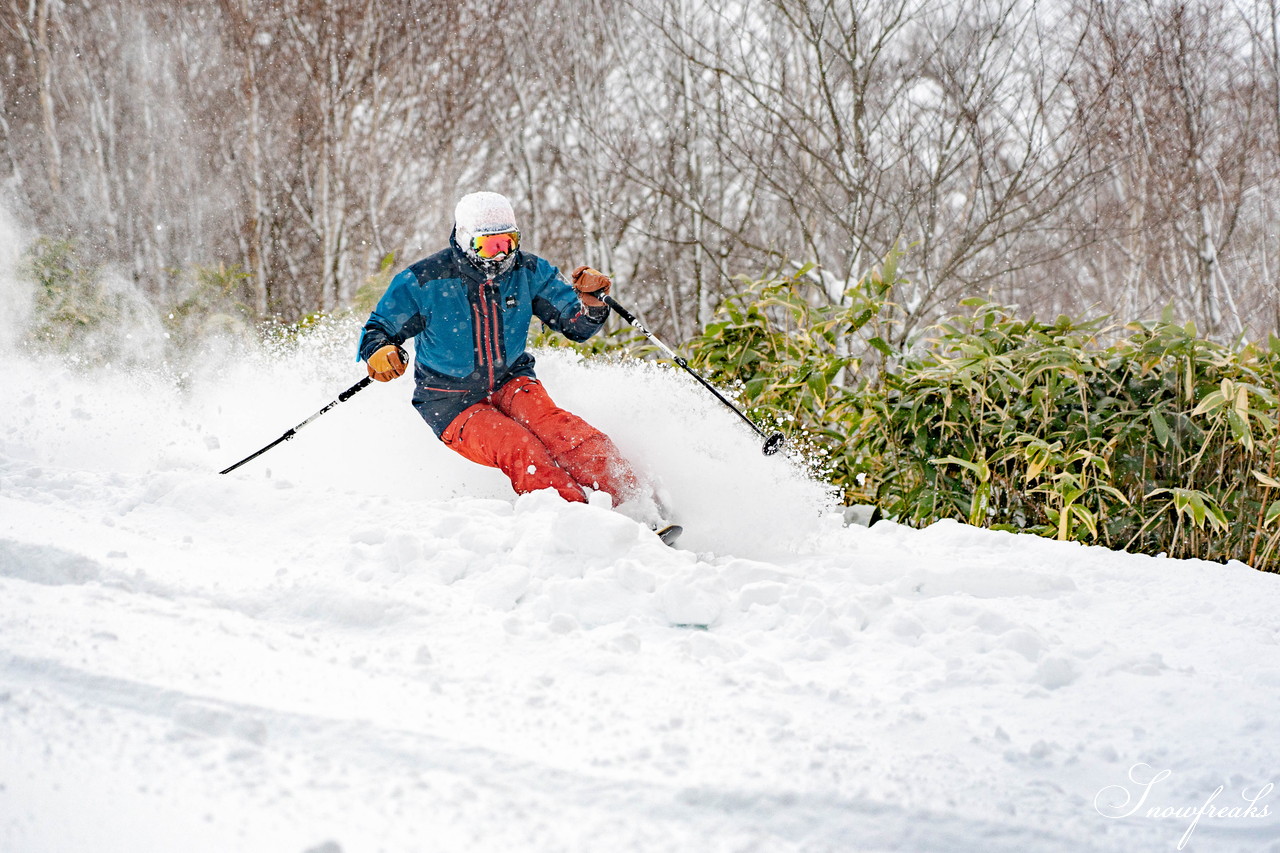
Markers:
{"x": 362, "y": 642}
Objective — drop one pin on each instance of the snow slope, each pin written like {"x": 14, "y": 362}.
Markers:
{"x": 362, "y": 643}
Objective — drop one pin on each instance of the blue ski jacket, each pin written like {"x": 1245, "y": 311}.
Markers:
{"x": 470, "y": 329}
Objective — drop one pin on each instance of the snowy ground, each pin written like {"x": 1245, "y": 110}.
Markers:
{"x": 362, "y": 643}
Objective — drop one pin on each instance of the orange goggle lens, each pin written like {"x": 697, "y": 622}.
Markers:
{"x": 495, "y": 245}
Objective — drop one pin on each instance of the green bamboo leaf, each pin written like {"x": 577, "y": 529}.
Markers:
{"x": 817, "y": 385}
{"x": 1087, "y": 518}
{"x": 755, "y": 387}
{"x": 1211, "y": 403}
{"x": 1193, "y": 505}
{"x": 979, "y": 504}
{"x": 1161, "y": 426}
{"x": 880, "y": 344}
{"x": 1240, "y": 428}
{"x": 1037, "y": 460}
{"x": 979, "y": 469}
{"x": 1270, "y": 482}
{"x": 862, "y": 318}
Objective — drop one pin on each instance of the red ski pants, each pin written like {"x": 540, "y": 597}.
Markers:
{"x": 539, "y": 445}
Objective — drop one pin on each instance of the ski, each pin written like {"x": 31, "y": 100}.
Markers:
{"x": 670, "y": 534}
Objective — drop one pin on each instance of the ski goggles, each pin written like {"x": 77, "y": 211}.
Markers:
{"x": 490, "y": 246}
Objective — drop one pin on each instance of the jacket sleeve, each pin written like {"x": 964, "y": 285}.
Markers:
{"x": 397, "y": 318}
{"x": 556, "y": 303}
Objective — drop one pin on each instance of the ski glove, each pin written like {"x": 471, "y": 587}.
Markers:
{"x": 591, "y": 284}
{"x": 387, "y": 363}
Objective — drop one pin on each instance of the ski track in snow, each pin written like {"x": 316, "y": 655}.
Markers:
{"x": 360, "y": 642}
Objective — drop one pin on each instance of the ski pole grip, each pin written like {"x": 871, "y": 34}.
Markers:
{"x": 354, "y": 389}
{"x": 622, "y": 312}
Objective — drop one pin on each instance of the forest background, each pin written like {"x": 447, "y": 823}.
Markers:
{"x": 1081, "y": 156}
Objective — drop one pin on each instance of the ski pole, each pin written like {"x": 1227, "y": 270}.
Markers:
{"x": 342, "y": 398}
{"x": 772, "y": 443}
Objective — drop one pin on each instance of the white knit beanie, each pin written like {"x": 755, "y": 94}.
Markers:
{"x": 483, "y": 213}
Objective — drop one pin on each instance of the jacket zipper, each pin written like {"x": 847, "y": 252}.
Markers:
{"x": 494, "y": 336}
{"x": 486, "y": 327}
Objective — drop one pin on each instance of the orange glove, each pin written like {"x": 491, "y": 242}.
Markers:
{"x": 591, "y": 284}
{"x": 387, "y": 363}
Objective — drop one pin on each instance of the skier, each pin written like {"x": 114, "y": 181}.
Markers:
{"x": 468, "y": 309}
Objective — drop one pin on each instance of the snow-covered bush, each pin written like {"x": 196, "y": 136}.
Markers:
{"x": 795, "y": 358}
{"x": 213, "y": 300}
{"x": 1146, "y": 437}
{"x": 1159, "y": 441}
{"x": 82, "y": 310}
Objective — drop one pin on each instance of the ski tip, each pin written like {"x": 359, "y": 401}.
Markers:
{"x": 670, "y": 533}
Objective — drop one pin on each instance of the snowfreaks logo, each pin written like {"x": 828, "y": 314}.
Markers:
{"x": 1120, "y": 801}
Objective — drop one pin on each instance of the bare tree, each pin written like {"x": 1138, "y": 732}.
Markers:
{"x": 31, "y": 25}
{"x": 1182, "y": 146}
{"x": 122, "y": 171}
{"x": 798, "y": 130}
{"x": 1119, "y": 156}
